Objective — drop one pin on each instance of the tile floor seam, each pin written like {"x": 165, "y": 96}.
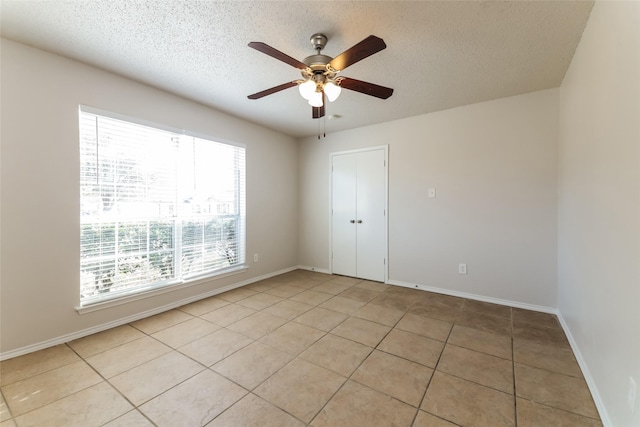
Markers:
{"x": 232, "y": 405}
{"x": 485, "y": 314}
{"x": 274, "y": 373}
{"x": 363, "y": 385}
{"x": 550, "y": 371}
{"x": 480, "y": 351}
{"x": 150, "y": 360}
{"x": 294, "y": 355}
{"x": 477, "y": 383}
{"x": 417, "y": 407}
{"x": 136, "y": 409}
{"x": 250, "y": 390}
{"x": 538, "y": 325}
{"x": 549, "y": 405}
{"x": 263, "y": 381}
{"x": 581, "y": 378}
{"x": 106, "y": 380}
{"x": 356, "y": 369}
{"x": 163, "y": 312}
{"x": 199, "y": 316}
{"x": 116, "y": 346}
{"x": 230, "y": 354}
{"x": 4, "y": 399}
{"x": 404, "y": 358}
{"x": 262, "y": 398}
{"x": 66, "y": 344}
{"x": 327, "y": 402}
{"x": 324, "y": 367}
{"x": 319, "y": 410}
{"x": 69, "y": 395}
{"x": 557, "y": 409}
{"x": 103, "y": 379}
{"x": 424, "y": 395}
{"x": 154, "y": 396}
{"x": 213, "y": 323}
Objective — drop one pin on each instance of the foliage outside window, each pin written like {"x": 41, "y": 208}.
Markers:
{"x": 157, "y": 207}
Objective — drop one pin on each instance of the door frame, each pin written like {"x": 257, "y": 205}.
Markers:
{"x": 385, "y": 148}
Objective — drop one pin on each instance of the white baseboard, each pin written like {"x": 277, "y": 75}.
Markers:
{"x": 316, "y": 269}
{"x": 123, "y": 321}
{"x": 597, "y": 399}
{"x": 459, "y": 294}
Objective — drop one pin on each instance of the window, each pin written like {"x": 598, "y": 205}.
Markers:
{"x": 157, "y": 207}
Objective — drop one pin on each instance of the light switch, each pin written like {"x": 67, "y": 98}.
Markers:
{"x": 432, "y": 193}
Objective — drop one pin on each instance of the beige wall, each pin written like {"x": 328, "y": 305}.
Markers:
{"x": 40, "y": 190}
{"x": 599, "y": 205}
{"x": 493, "y": 165}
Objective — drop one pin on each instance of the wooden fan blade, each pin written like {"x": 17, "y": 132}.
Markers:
{"x": 317, "y": 112}
{"x": 275, "y": 53}
{"x": 366, "y": 88}
{"x": 273, "y": 90}
{"x": 365, "y": 48}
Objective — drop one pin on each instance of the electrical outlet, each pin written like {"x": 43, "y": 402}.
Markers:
{"x": 255, "y": 257}
{"x": 631, "y": 395}
{"x": 462, "y": 268}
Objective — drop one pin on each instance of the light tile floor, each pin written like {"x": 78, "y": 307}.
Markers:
{"x": 306, "y": 348}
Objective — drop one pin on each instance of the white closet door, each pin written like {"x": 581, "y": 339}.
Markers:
{"x": 370, "y": 221}
{"x": 359, "y": 214}
{"x": 344, "y": 181}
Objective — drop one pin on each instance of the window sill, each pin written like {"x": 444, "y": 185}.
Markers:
{"x": 125, "y": 299}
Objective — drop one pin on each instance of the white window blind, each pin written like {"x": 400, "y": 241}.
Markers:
{"x": 157, "y": 207}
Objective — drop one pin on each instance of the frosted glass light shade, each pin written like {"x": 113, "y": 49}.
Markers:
{"x": 332, "y": 91}
{"x": 307, "y": 89}
{"x": 316, "y": 99}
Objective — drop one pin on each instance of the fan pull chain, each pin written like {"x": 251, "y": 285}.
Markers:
{"x": 324, "y": 126}
{"x": 322, "y": 131}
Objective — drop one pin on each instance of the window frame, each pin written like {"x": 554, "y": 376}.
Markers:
{"x": 174, "y": 283}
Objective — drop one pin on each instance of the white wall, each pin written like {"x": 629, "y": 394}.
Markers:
{"x": 40, "y": 190}
{"x": 599, "y": 204}
{"x": 493, "y": 165}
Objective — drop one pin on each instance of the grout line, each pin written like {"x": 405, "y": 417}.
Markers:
{"x": 435, "y": 368}
{"x": 4, "y": 399}
{"x": 348, "y": 378}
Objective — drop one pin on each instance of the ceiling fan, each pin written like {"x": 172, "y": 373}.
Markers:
{"x": 320, "y": 72}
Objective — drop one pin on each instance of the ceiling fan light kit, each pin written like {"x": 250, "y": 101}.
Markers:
{"x": 332, "y": 90}
{"x": 320, "y": 72}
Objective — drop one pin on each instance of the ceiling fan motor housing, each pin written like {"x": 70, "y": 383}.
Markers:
{"x": 317, "y": 63}
{"x": 319, "y": 41}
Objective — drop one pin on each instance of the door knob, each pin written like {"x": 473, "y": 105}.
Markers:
{"x": 359, "y": 221}
{"x": 353, "y": 221}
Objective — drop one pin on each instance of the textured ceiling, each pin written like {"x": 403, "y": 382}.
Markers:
{"x": 439, "y": 55}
